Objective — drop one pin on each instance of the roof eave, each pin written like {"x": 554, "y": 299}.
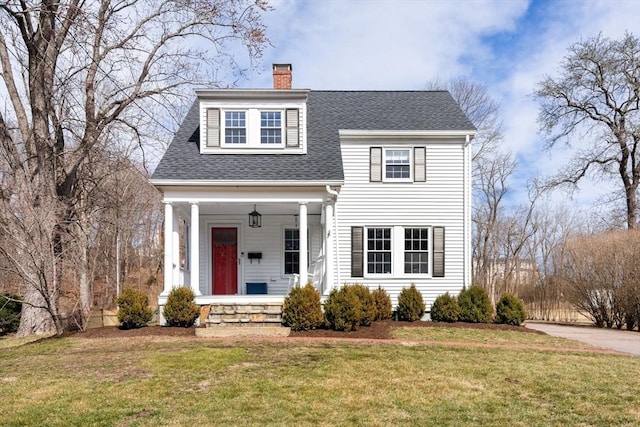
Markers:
{"x": 261, "y": 183}
{"x": 373, "y": 134}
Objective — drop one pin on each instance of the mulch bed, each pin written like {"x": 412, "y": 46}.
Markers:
{"x": 378, "y": 330}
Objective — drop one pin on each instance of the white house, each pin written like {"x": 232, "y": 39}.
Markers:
{"x": 369, "y": 187}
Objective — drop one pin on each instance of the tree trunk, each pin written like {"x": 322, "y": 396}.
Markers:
{"x": 631, "y": 193}
{"x": 39, "y": 314}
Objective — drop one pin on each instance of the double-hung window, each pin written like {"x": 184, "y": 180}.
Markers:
{"x": 397, "y": 164}
{"x": 270, "y": 127}
{"x": 379, "y": 250}
{"x": 292, "y": 250}
{"x": 416, "y": 251}
{"x": 235, "y": 127}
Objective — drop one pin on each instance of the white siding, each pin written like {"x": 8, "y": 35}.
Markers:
{"x": 268, "y": 239}
{"x": 437, "y": 202}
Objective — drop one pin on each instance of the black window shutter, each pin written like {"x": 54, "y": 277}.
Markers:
{"x": 438, "y": 251}
{"x": 357, "y": 253}
{"x": 375, "y": 164}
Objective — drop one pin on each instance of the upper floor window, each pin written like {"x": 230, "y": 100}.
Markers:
{"x": 252, "y": 128}
{"x": 397, "y": 164}
{"x": 235, "y": 127}
{"x": 270, "y": 127}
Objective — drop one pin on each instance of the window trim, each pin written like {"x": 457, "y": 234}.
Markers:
{"x": 384, "y": 164}
{"x": 427, "y": 252}
{"x": 224, "y": 127}
{"x": 366, "y": 251}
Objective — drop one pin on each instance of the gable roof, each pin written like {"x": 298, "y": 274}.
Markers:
{"x": 327, "y": 113}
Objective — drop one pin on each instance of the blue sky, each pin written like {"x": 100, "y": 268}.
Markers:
{"x": 508, "y": 45}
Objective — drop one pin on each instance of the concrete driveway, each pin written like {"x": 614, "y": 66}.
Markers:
{"x": 614, "y": 339}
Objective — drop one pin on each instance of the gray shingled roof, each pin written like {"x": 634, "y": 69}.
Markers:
{"x": 327, "y": 112}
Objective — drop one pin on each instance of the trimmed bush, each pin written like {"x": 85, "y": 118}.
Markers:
{"x": 383, "y": 304}
{"x": 475, "y": 306}
{"x": 445, "y": 309}
{"x": 367, "y": 304}
{"x": 343, "y": 310}
{"x": 10, "y": 310}
{"x": 134, "y": 311}
{"x": 302, "y": 309}
{"x": 180, "y": 309}
{"x": 410, "y": 304}
{"x": 510, "y": 310}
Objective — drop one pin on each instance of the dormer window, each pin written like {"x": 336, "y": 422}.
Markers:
{"x": 271, "y": 127}
{"x": 253, "y": 121}
{"x": 235, "y": 127}
{"x": 257, "y": 128}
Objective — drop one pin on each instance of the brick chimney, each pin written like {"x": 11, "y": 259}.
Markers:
{"x": 282, "y": 76}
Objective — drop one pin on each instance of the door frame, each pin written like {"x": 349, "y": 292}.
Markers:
{"x": 209, "y": 226}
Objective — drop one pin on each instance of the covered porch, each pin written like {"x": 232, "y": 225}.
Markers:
{"x": 226, "y": 256}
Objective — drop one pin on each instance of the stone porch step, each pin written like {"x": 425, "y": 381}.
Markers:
{"x": 243, "y": 331}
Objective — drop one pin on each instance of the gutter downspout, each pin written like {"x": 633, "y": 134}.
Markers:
{"x": 336, "y": 255}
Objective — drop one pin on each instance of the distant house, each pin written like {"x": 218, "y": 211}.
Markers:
{"x": 265, "y": 188}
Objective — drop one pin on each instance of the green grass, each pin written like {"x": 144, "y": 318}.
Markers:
{"x": 189, "y": 381}
{"x": 492, "y": 338}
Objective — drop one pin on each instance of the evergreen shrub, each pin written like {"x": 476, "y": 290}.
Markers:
{"x": 411, "y": 306}
{"x": 302, "y": 309}
{"x": 475, "y": 306}
{"x": 134, "y": 311}
{"x": 343, "y": 310}
{"x": 510, "y": 310}
{"x": 383, "y": 304}
{"x": 181, "y": 310}
{"x": 445, "y": 309}
{"x": 10, "y": 310}
{"x": 367, "y": 304}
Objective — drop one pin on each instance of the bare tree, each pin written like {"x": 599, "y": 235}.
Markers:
{"x": 492, "y": 169}
{"x": 595, "y": 102}
{"x": 77, "y": 75}
{"x": 492, "y": 174}
{"x": 484, "y": 112}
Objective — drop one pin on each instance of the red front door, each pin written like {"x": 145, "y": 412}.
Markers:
{"x": 224, "y": 241}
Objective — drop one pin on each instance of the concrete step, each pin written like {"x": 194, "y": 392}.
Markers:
{"x": 242, "y": 331}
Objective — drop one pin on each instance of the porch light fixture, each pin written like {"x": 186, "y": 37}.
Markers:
{"x": 255, "y": 219}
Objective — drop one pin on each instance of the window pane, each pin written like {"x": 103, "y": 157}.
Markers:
{"x": 270, "y": 127}
{"x": 398, "y": 164}
{"x": 416, "y": 256}
{"x": 291, "y": 251}
{"x": 379, "y": 250}
{"x": 235, "y": 131}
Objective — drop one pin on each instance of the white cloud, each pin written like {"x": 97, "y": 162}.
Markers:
{"x": 508, "y": 45}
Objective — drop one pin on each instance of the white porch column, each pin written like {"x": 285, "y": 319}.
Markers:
{"x": 175, "y": 251}
{"x": 304, "y": 265}
{"x": 194, "y": 252}
{"x": 328, "y": 247}
{"x": 168, "y": 248}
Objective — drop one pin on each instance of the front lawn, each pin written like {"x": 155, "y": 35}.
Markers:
{"x": 189, "y": 381}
